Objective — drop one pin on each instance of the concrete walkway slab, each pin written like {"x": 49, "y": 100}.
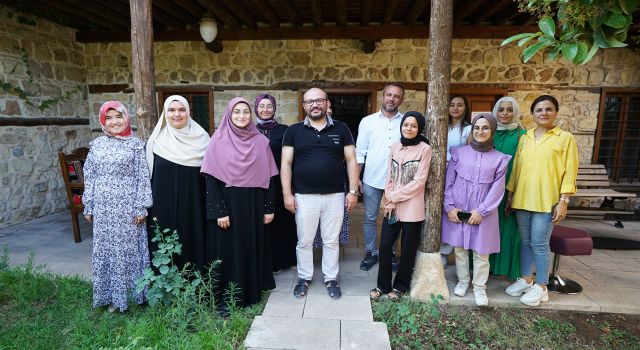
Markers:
{"x": 356, "y": 308}
{"x": 612, "y": 279}
{"x": 608, "y": 263}
{"x": 291, "y": 333}
{"x": 364, "y": 335}
{"x": 284, "y": 305}
{"x": 622, "y": 300}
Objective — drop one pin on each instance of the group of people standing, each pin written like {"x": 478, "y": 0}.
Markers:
{"x": 257, "y": 194}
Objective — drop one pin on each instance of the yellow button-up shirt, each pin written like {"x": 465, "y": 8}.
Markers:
{"x": 543, "y": 169}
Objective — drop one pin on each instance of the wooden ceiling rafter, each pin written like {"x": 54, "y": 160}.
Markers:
{"x": 468, "y": 10}
{"x": 268, "y": 13}
{"x": 235, "y": 8}
{"x": 366, "y": 13}
{"x": 165, "y": 18}
{"x": 341, "y": 9}
{"x": 507, "y": 14}
{"x": 44, "y": 10}
{"x": 415, "y": 11}
{"x": 389, "y": 11}
{"x": 491, "y": 11}
{"x": 81, "y": 14}
{"x": 98, "y": 10}
{"x": 177, "y": 11}
{"x": 291, "y": 13}
{"x": 221, "y": 15}
{"x": 316, "y": 13}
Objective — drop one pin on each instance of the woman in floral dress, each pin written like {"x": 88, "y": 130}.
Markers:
{"x": 116, "y": 197}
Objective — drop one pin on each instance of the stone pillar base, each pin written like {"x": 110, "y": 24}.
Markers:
{"x": 428, "y": 278}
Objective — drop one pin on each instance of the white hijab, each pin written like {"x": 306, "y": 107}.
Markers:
{"x": 184, "y": 146}
{"x": 513, "y": 124}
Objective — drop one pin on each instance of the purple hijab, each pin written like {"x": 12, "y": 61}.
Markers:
{"x": 265, "y": 123}
{"x": 239, "y": 157}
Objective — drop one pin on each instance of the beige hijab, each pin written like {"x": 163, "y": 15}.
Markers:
{"x": 513, "y": 124}
{"x": 184, "y": 146}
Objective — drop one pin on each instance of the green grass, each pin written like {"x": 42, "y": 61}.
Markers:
{"x": 42, "y": 310}
{"x": 415, "y": 325}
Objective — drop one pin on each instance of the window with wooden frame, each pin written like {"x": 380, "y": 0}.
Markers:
{"x": 200, "y": 103}
{"x": 617, "y": 143}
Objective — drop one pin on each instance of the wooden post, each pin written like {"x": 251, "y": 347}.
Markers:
{"x": 428, "y": 277}
{"x": 143, "y": 67}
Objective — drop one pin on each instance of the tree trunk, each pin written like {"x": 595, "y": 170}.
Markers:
{"x": 143, "y": 67}
{"x": 428, "y": 277}
{"x": 440, "y": 35}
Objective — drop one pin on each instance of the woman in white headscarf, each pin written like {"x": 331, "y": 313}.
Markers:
{"x": 507, "y": 261}
{"x": 175, "y": 151}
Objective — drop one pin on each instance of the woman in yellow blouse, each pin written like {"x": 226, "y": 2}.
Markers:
{"x": 543, "y": 179}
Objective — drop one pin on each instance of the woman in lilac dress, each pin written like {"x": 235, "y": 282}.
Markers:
{"x": 473, "y": 190}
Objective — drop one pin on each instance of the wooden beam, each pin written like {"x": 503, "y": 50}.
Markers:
{"x": 55, "y": 6}
{"x": 118, "y": 6}
{"x": 166, "y": 18}
{"x": 467, "y": 9}
{"x": 106, "y": 88}
{"x": 415, "y": 11}
{"x": 240, "y": 12}
{"x": 316, "y": 12}
{"x": 143, "y": 67}
{"x": 389, "y": 11}
{"x": 300, "y": 33}
{"x": 43, "y": 10}
{"x": 267, "y": 12}
{"x": 497, "y": 7}
{"x": 341, "y": 10}
{"x": 366, "y": 13}
{"x": 292, "y": 13}
{"x": 95, "y": 9}
{"x": 31, "y": 121}
{"x": 221, "y": 15}
{"x": 506, "y": 15}
{"x": 176, "y": 10}
{"x": 193, "y": 7}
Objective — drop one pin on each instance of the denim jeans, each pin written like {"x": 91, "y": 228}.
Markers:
{"x": 535, "y": 231}
{"x": 371, "y": 197}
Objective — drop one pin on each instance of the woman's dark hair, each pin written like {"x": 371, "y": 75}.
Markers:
{"x": 466, "y": 117}
{"x": 545, "y": 98}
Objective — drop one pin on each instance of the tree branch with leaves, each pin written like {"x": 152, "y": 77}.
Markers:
{"x": 575, "y": 29}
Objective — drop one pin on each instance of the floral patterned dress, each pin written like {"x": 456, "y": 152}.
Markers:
{"x": 117, "y": 189}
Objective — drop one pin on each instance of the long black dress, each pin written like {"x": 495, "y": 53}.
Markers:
{"x": 282, "y": 230}
{"x": 242, "y": 248}
{"x": 178, "y": 203}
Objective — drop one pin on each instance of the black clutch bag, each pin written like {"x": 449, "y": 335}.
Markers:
{"x": 464, "y": 216}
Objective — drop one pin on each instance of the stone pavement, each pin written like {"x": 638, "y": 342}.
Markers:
{"x": 611, "y": 279}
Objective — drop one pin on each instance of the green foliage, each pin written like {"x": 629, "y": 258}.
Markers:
{"x": 579, "y": 30}
{"x": 545, "y": 325}
{"x": 170, "y": 283}
{"x": 26, "y": 96}
{"x": 41, "y": 310}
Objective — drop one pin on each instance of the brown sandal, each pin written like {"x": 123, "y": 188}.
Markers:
{"x": 375, "y": 294}
{"x": 395, "y": 295}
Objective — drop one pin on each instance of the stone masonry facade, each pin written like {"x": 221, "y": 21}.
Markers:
{"x": 28, "y": 170}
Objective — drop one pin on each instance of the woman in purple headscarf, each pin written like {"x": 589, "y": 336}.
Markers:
{"x": 239, "y": 169}
{"x": 282, "y": 231}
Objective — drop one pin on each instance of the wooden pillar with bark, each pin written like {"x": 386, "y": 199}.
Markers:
{"x": 143, "y": 67}
{"x": 428, "y": 277}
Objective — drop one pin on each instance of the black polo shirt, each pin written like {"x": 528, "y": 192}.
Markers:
{"x": 318, "y": 156}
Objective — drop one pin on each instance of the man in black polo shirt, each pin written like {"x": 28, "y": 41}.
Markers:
{"x": 313, "y": 156}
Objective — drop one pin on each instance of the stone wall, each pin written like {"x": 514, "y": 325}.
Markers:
{"x": 30, "y": 180}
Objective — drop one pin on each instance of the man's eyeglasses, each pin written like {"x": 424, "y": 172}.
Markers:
{"x": 310, "y": 103}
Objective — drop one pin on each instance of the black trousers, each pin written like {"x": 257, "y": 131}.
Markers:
{"x": 389, "y": 235}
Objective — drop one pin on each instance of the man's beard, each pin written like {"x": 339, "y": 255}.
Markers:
{"x": 393, "y": 109}
{"x": 316, "y": 117}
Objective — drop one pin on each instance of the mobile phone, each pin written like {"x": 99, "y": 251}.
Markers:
{"x": 464, "y": 216}
{"x": 393, "y": 219}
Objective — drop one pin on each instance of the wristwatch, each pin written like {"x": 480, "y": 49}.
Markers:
{"x": 354, "y": 192}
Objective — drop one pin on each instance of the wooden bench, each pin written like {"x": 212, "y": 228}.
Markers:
{"x": 71, "y": 169}
{"x": 593, "y": 182}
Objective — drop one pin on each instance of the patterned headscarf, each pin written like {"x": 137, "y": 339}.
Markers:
{"x": 118, "y": 106}
{"x": 487, "y": 145}
{"x": 265, "y": 123}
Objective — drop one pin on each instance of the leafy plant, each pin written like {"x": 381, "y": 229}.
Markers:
{"x": 170, "y": 282}
{"x": 580, "y": 29}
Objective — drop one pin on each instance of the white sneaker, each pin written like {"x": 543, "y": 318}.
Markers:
{"x": 518, "y": 288}
{"x": 481, "y": 296}
{"x": 461, "y": 288}
{"x": 534, "y": 296}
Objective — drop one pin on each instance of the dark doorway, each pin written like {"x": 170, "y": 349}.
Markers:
{"x": 350, "y": 109}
